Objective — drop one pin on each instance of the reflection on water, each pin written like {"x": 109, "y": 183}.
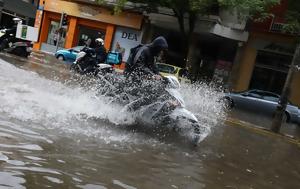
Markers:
{"x": 63, "y": 136}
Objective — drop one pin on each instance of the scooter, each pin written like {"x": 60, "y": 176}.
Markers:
{"x": 157, "y": 105}
{"x": 10, "y": 44}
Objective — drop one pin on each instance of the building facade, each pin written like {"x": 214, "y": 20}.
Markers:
{"x": 85, "y": 23}
{"x": 23, "y": 9}
{"x": 211, "y": 51}
{"x": 265, "y": 58}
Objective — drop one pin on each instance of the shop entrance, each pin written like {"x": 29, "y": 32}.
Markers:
{"x": 270, "y": 71}
{"x": 55, "y": 39}
{"x": 88, "y": 35}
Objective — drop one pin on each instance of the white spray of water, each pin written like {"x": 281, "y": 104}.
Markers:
{"x": 26, "y": 96}
{"x": 30, "y": 98}
{"x": 204, "y": 101}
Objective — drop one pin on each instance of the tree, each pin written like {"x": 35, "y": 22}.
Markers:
{"x": 188, "y": 11}
{"x": 292, "y": 27}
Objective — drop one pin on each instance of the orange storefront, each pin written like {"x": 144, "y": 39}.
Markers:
{"x": 84, "y": 21}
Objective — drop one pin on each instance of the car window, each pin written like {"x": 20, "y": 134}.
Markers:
{"x": 254, "y": 94}
{"x": 257, "y": 93}
{"x": 77, "y": 49}
{"x": 166, "y": 68}
{"x": 271, "y": 98}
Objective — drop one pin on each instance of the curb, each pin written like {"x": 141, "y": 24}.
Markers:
{"x": 262, "y": 130}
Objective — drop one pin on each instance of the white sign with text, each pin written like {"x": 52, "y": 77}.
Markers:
{"x": 27, "y": 32}
{"x": 125, "y": 39}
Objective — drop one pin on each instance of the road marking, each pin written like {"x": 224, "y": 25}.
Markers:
{"x": 261, "y": 130}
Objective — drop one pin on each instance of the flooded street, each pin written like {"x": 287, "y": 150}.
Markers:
{"x": 55, "y": 134}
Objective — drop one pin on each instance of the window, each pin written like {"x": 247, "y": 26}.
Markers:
{"x": 166, "y": 68}
{"x": 53, "y": 36}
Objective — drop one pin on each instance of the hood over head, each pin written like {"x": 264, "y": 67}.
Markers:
{"x": 158, "y": 44}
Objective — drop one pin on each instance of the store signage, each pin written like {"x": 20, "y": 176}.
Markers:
{"x": 124, "y": 40}
{"x": 129, "y": 36}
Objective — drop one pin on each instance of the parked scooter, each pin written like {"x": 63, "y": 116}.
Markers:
{"x": 13, "y": 45}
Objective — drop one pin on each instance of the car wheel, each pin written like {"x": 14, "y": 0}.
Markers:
{"x": 60, "y": 57}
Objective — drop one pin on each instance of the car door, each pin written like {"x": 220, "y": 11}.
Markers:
{"x": 72, "y": 55}
{"x": 247, "y": 100}
{"x": 268, "y": 102}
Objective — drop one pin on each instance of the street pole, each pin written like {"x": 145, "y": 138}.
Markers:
{"x": 59, "y": 28}
{"x": 280, "y": 109}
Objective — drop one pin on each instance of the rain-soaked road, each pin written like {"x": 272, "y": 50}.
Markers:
{"x": 52, "y": 135}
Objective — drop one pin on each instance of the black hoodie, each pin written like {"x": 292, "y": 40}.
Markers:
{"x": 144, "y": 59}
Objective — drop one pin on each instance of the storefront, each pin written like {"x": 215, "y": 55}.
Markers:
{"x": 85, "y": 24}
{"x": 265, "y": 63}
{"x": 270, "y": 71}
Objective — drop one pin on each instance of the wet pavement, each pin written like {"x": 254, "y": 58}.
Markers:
{"x": 49, "y": 138}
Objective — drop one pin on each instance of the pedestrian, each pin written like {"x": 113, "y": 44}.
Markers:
{"x": 55, "y": 37}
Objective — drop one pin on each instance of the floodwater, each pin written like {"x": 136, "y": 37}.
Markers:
{"x": 54, "y": 134}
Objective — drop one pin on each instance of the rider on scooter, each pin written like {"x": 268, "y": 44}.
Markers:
{"x": 100, "y": 50}
{"x": 142, "y": 67}
{"x": 143, "y": 63}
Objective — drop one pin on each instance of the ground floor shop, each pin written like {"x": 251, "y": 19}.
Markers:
{"x": 212, "y": 58}
{"x": 209, "y": 58}
{"x": 264, "y": 64}
{"x": 85, "y": 23}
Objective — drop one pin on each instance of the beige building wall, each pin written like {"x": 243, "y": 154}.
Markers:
{"x": 247, "y": 64}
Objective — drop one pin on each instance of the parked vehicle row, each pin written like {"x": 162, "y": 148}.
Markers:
{"x": 261, "y": 102}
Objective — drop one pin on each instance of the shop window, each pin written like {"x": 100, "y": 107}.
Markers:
{"x": 53, "y": 35}
{"x": 88, "y": 35}
{"x": 270, "y": 71}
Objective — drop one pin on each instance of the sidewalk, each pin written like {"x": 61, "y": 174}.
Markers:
{"x": 262, "y": 130}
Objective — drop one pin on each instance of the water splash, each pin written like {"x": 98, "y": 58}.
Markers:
{"x": 204, "y": 101}
{"x": 28, "y": 97}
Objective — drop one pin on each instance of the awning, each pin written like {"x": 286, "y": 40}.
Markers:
{"x": 204, "y": 25}
{"x": 227, "y": 32}
{"x": 20, "y": 7}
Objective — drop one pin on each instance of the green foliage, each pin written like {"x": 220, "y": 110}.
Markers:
{"x": 293, "y": 17}
{"x": 257, "y": 9}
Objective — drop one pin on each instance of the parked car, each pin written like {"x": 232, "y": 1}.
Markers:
{"x": 181, "y": 73}
{"x": 68, "y": 55}
{"x": 263, "y": 102}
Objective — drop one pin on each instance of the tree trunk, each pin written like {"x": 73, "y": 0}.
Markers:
{"x": 280, "y": 110}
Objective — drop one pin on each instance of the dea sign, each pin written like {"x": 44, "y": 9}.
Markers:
{"x": 125, "y": 39}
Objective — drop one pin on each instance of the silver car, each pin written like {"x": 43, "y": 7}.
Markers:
{"x": 263, "y": 102}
